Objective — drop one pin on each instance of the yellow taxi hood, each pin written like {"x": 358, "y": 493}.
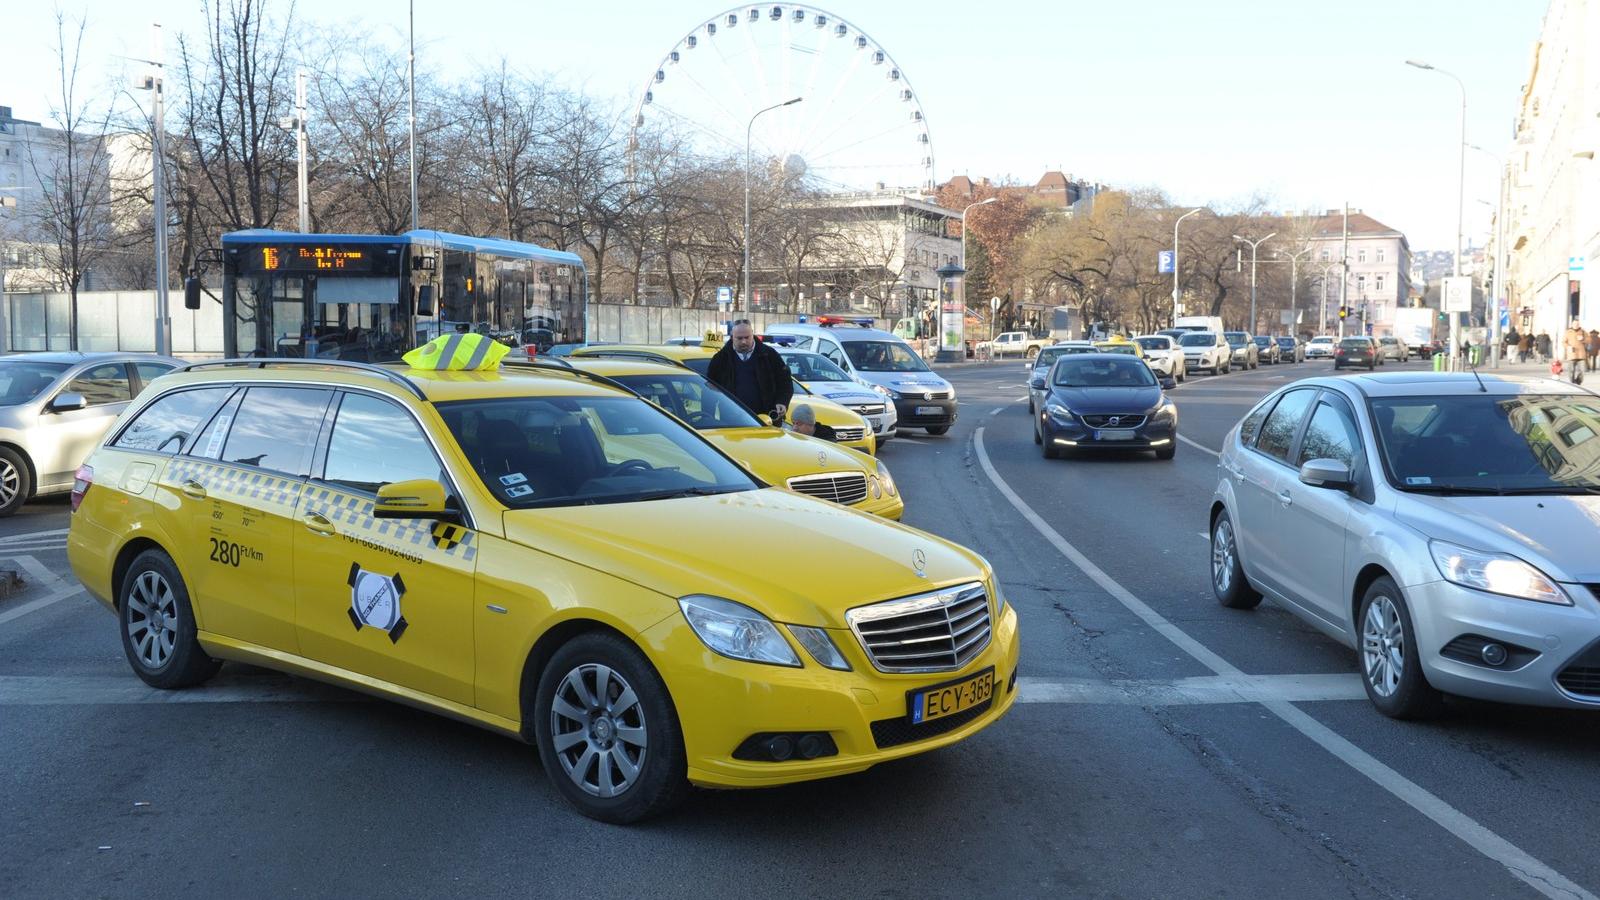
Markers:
{"x": 777, "y": 455}
{"x": 793, "y": 558}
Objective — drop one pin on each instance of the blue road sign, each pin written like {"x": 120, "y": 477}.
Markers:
{"x": 1164, "y": 266}
{"x": 724, "y": 296}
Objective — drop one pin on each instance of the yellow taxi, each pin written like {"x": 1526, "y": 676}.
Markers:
{"x": 806, "y": 464}
{"x": 849, "y": 428}
{"x": 1119, "y": 344}
{"x": 539, "y": 553}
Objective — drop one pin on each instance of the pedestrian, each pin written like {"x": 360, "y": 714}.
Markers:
{"x": 1541, "y": 346}
{"x": 1594, "y": 347}
{"x": 1524, "y": 348}
{"x": 1575, "y": 348}
{"x": 753, "y": 372}
{"x": 803, "y": 420}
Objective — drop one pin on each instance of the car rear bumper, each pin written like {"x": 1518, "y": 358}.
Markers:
{"x": 721, "y": 703}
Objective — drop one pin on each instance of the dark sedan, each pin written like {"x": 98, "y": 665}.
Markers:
{"x": 1104, "y": 401}
{"x": 1357, "y": 351}
{"x": 1268, "y": 351}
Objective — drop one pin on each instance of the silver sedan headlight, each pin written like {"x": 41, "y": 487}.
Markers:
{"x": 1497, "y": 573}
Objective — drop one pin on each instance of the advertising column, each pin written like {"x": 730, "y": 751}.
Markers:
{"x": 952, "y": 314}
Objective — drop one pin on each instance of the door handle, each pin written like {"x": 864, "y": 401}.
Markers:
{"x": 193, "y": 490}
{"x": 1285, "y": 498}
{"x": 317, "y": 523}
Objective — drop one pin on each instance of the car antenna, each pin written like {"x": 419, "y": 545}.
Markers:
{"x": 1471, "y": 363}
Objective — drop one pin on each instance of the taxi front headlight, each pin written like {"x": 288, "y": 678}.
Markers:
{"x": 886, "y": 479}
{"x": 737, "y": 631}
{"x": 820, "y": 646}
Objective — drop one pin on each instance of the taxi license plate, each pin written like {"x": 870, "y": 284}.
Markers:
{"x": 929, "y": 703}
{"x": 928, "y": 410}
{"x": 1114, "y": 434}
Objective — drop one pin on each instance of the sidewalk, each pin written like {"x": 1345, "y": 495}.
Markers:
{"x": 1533, "y": 369}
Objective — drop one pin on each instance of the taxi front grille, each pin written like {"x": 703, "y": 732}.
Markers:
{"x": 936, "y": 632}
{"x": 846, "y": 435}
{"x": 848, "y": 488}
{"x": 1131, "y": 421}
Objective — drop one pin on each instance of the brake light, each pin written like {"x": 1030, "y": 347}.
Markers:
{"x": 1339, "y": 352}
{"x": 80, "y": 485}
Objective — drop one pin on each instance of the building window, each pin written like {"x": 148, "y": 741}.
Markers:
{"x": 1361, "y": 283}
{"x": 1377, "y": 281}
{"x": 1361, "y": 256}
{"x": 1380, "y": 255}
{"x": 1324, "y": 256}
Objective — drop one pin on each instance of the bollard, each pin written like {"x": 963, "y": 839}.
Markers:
{"x": 1438, "y": 362}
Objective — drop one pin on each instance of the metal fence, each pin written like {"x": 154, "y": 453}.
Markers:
{"x": 107, "y": 320}
{"x": 654, "y": 324}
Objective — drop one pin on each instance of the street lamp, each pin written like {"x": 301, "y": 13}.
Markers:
{"x": 1461, "y": 187}
{"x": 1175, "y": 261}
{"x": 964, "y": 211}
{"x": 152, "y": 82}
{"x": 1294, "y": 285}
{"x": 1254, "y": 245}
{"x": 297, "y": 124}
{"x": 747, "y": 132}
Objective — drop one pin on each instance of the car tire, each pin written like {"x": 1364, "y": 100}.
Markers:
{"x": 1390, "y": 668}
{"x": 16, "y": 482}
{"x": 159, "y": 636}
{"x": 1228, "y": 581}
{"x": 937, "y": 430}
{"x": 1033, "y": 352}
{"x": 660, "y": 778}
{"x": 1037, "y": 438}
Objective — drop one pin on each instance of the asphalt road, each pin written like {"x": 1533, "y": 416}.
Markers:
{"x": 1166, "y": 747}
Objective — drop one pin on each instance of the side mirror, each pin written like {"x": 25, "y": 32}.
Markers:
{"x": 1327, "y": 473}
{"x": 1037, "y": 383}
{"x": 66, "y": 401}
{"x": 764, "y": 419}
{"x": 1168, "y": 382}
{"x": 191, "y": 293}
{"x": 425, "y": 300}
{"x": 420, "y": 498}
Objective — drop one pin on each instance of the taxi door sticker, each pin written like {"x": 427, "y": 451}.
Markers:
{"x": 375, "y": 601}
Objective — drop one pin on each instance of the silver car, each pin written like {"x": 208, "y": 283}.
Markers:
{"x": 55, "y": 407}
{"x": 1444, "y": 526}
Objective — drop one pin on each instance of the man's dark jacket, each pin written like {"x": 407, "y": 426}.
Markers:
{"x": 772, "y": 374}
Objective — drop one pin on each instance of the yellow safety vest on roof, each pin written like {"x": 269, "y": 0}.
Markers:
{"x": 469, "y": 352}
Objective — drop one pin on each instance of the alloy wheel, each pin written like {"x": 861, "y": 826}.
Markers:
{"x": 1222, "y": 555}
{"x": 10, "y": 482}
{"x": 152, "y": 619}
{"x": 598, "y": 730}
{"x": 1383, "y": 649}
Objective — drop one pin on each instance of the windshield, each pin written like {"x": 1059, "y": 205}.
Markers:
{"x": 1322, "y": 340}
{"x": 1235, "y": 338}
{"x": 883, "y": 356}
{"x": 576, "y": 451}
{"x": 1285, "y": 342}
{"x": 1533, "y": 444}
{"x": 1389, "y": 340}
{"x": 1262, "y": 341}
{"x": 1049, "y": 355}
{"x": 24, "y": 380}
{"x": 814, "y": 367}
{"x": 1103, "y": 371}
{"x": 692, "y": 399}
{"x": 1153, "y": 343}
{"x": 1198, "y": 339}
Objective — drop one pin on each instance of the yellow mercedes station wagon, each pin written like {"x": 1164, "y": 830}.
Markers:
{"x": 541, "y": 554}
{"x": 806, "y": 464}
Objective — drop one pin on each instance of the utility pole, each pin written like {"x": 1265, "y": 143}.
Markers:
{"x": 411, "y": 105}
{"x": 152, "y": 83}
{"x": 1294, "y": 288}
{"x": 1344, "y": 270}
{"x": 1175, "y": 295}
{"x": 300, "y": 147}
{"x": 1254, "y": 246}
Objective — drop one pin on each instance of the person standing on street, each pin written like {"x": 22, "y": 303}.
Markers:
{"x": 1541, "y": 345}
{"x": 1525, "y": 348}
{"x": 753, "y": 372}
{"x": 1576, "y": 347}
{"x": 1594, "y": 347}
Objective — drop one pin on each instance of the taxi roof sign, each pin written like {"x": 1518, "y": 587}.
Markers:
{"x": 460, "y": 352}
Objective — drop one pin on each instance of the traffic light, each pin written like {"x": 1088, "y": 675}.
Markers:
{"x": 1344, "y": 312}
{"x": 1442, "y": 315}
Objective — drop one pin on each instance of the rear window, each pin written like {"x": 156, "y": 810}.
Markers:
{"x": 166, "y": 424}
{"x": 1356, "y": 343}
{"x": 1198, "y": 339}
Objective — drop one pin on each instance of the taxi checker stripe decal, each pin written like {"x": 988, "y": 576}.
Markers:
{"x": 454, "y": 541}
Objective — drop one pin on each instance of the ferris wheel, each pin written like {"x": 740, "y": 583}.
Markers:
{"x": 858, "y": 124}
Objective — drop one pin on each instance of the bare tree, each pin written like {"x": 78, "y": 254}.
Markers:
{"x": 497, "y": 149}
{"x": 72, "y": 220}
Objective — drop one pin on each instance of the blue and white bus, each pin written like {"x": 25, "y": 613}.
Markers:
{"x": 370, "y": 298}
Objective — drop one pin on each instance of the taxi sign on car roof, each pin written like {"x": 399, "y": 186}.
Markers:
{"x": 468, "y": 352}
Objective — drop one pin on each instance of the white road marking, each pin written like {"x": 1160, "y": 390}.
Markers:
{"x": 1199, "y": 446}
{"x": 1203, "y": 535}
{"x": 1520, "y": 864}
{"x": 30, "y": 535}
{"x": 55, "y": 589}
{"x": 24, "y": 546}
{"x": 1206, "y": 689}
{"x": 997, "y": 410}
{"x": 88, "y": 690}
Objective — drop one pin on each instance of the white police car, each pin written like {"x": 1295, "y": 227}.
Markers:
{"x": 883, "y": 361}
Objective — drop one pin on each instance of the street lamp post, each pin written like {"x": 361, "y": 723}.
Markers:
{"x": 994, "y": 313}
{"x": 1254, "y": 246}
{"x": 1461, "y": 187}
{"x": 747, "y": 133}
{"x": 153, "y": 83}
{"x": 1175, "y": 293}
{"x": 1294, "y": 285}
{"x": 297, "y": 124}
{"x": 964, "y": 264}
{"x": 1495, "y": 336}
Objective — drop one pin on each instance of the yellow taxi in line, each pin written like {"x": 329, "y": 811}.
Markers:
{"x": 850, "y": 428}
{"x": 541, "y": 554}
{"x": 1119, "y": 344}
{"x": 806, "y": 464}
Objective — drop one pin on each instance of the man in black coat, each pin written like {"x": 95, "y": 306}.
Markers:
{"x": 753, "y": 372}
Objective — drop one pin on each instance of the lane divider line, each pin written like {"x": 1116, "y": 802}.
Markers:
{"x": 1198, "y": 446}
{"x": 1518, "y": 862}
{"x": 54, "y": 532}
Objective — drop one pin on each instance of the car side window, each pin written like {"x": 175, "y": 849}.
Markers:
{"x": 106, "y": 383}
{"x": 804, "y": 342}
{"x": 276, "y": 428}
{"x": 373, "y": 443}
{"x": 166, "y": 424}
{"x": 1331, "y": 434}
{"x": 835, "y": 355}
{"x": 1252, "y": 421}
{"x": 150, "y": 371}
{"x": 1278, "y": 431}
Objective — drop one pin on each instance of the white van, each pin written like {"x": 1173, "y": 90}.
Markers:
{"x": 1199, "y": 323}
{"x": 883, "y": 362}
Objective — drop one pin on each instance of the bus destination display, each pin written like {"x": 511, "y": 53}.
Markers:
{"x": 311, "y": 258}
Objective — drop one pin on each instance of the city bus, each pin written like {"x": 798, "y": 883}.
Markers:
{"x": 370, "y": 298}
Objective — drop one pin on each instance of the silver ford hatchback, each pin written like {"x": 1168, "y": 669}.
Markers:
{"x": 1444, "y": 526}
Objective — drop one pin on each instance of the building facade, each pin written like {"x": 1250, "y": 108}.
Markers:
{"x": 1379, "y": 274}
{"x": 1552, "y": 227}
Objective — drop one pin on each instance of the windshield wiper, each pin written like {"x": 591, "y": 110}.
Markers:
{"x": 1452, "y": 489}
{"x": 683, "y": 492}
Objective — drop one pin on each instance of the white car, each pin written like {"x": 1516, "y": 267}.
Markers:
{"x": 828, "y": 381}
{"x": 1207, "y": 350}
{"x": 1163, "y": 355}
{"x": 1321, "y": 347}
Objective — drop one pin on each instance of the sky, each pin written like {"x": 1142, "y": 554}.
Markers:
{"x": 1214, "y": 101}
